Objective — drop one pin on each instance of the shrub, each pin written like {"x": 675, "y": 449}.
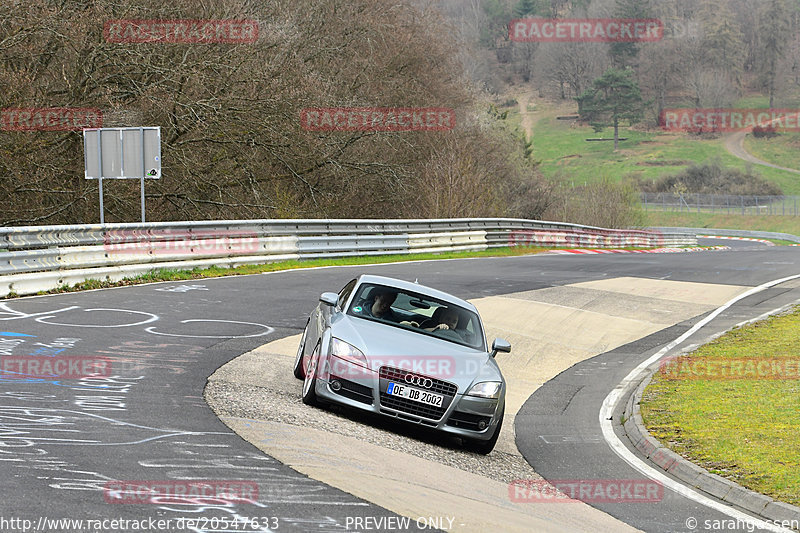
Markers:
{"x": 606, "y": 204}
{"x": 712, "y": 177}
{"x": 764, "y": 132}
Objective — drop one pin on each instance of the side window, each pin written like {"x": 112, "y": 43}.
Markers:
{"x": 344, "y": 294}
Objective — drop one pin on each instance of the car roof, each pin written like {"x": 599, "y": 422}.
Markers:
{"x": 415, "y": 287}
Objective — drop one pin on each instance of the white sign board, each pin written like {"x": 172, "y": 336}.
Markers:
{"x": 122, "y": 153}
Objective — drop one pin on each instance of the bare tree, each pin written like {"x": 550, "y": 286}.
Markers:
{"x": 712, "y": 88}
{"x": 570, "y": 67}
{"x": 233, "y": 143}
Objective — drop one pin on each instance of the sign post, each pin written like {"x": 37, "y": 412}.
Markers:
{"x": 122, "y": 153}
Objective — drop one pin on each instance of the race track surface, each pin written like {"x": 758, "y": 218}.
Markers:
{"x": 68, "y": 444}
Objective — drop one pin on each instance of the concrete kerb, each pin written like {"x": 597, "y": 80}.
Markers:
{"x": 691, "y": 474}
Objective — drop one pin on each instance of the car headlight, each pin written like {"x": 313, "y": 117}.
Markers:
{"x": 347, "y": 351}
{"x": 486, "y": 389}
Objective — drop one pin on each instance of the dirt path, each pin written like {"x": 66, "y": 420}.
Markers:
{"x": 527, "y": 116}
{"x": 734, "y": 143}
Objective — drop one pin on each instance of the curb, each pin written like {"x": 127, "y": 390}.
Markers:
{"x": 693, "y": 475}
{"x": 747, "y": 239}
{"x": 591, "y": 251}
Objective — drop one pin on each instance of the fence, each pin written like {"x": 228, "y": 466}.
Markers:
{"x": 47, "y": 257}
{"x": 722, "y": 203}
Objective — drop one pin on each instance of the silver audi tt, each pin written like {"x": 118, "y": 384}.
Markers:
{"x": 404, "y": 351}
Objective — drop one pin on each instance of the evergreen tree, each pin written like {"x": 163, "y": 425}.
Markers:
{"x": 530, "y": 8}
{"x": 722, "y": 39}
{"x": 496, "y": 27}
{"x": 613, "y": 97}
{"x": 624, "y": 54}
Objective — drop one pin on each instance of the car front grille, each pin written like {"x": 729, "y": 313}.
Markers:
{"x": 398, "y": 376}
{"x": 448, "y": 390}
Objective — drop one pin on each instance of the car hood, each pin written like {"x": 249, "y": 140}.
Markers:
{"x": 385, "y": 345}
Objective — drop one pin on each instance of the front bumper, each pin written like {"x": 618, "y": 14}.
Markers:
{"x": 345, "y": 383}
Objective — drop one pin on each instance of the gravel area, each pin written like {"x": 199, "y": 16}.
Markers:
{"x": 260, "y": 386}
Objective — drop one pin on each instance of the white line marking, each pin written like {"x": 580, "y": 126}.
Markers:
{"x": 267, "y": 330}
{"x": 613, "y": 398}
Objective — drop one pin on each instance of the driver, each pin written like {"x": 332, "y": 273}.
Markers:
{"x": 381, "y": 305}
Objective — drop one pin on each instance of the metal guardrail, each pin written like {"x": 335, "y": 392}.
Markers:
{"x": 47, "y": 257}
{"x": 733, "y": 233}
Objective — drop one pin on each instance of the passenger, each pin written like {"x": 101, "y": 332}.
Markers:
{"x": 443, "y": 318}
{"x": 447, "y": 320}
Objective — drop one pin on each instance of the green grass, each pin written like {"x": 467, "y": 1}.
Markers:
{"x": 782, "y": 150}
{"x": 562, "y": 148}
{"x": 213, "y": 272}
{"x": 755, "y": 101}
{"x": 781, "y": 242}
{"x": 778, "y": 224}
{"x": 747, "y": 430}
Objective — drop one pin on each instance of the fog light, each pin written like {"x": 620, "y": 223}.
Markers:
{"x": 336, "y": 385}
{"x": 482, "y": 425}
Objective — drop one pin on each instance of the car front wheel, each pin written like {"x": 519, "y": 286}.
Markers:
{"x": 310, "y": 383}
{"x": 299, "y": 371}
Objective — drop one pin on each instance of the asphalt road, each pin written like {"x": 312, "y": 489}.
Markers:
{"x": 559, "y": 434}
{"x": 66, "y": 445}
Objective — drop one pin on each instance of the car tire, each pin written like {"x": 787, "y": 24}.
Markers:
{"x": 484, "y": 447}
{"x": 310, "y": 382}
{"x": 299, "y": 371}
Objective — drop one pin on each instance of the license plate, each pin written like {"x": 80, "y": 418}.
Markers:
{"x": 418, "y": 395}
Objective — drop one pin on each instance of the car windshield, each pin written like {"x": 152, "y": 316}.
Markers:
{"x": 418, "y": 313}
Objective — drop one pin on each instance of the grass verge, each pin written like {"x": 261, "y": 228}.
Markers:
{"x": 778, "y": 224}
{"x": 780, "y": 150}
{"x": 745, "y": 429}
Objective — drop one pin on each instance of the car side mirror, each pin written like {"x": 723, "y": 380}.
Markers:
{"x": 329, "y": 298}
{"x": 500, "y": 345}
